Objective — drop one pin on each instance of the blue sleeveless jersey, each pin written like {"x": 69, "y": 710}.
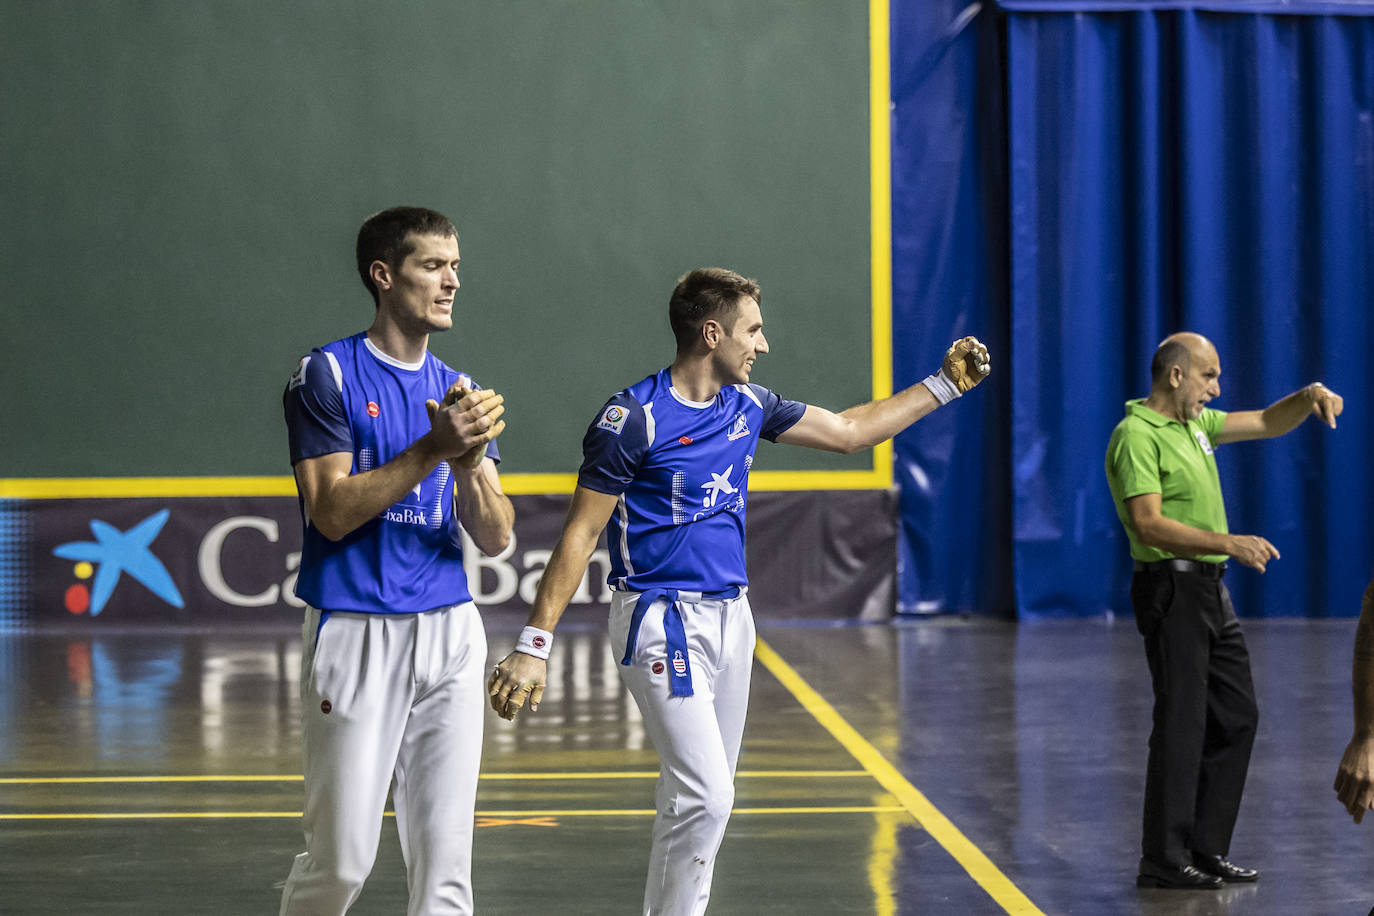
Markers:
{"x": 349, "y": 396}
{"x": 681, "y": 470}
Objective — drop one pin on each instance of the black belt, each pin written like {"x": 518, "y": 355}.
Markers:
{"x": 1179, "y": 564}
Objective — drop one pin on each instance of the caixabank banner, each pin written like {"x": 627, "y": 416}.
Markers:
{"x": 233, "y": 561}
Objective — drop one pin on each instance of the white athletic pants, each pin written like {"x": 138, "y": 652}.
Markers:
{"x": 385, "y": 695}
{"x": 697, "y": 738}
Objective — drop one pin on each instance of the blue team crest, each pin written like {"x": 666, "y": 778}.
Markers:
{"x": 739, "y": 429}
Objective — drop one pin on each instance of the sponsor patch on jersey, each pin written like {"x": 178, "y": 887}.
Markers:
{"x": 656, "y": 667}
{"x": 373, "y": 409}
{"x": 325, "y": 707}
{"x": 613, "y": 420}
{"x": 685, "y": 440}
{"x": 1203, "y": 441}
{"x": 739, "y": 429}
{"x": 298, "y": 379}
{"x": 679, "y": 664}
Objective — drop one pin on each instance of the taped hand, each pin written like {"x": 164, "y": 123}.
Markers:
{"x": 518, "y": 678}
{"x": 966, "y": 363}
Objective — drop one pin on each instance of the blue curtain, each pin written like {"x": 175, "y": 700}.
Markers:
{"x": 1166, "y": 168}
{"x": 949, "y": 280}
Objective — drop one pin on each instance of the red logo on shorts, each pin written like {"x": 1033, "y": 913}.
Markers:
{"x": 373, "y": 409}
{"x": 325, "y": 707}
{"x": 657, "y": 668}
{"x": 538, "y": 642}
{"x": 686, "y": 440}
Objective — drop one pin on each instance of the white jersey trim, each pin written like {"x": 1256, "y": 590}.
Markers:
{"x": 649, "y": 425}
{"x": 334, "y": 367}
{"x": 699, "y": 405}
{"x": 624, "y": 520}
{"x": 753, "y": 397}
{"x": 391, "y": 360}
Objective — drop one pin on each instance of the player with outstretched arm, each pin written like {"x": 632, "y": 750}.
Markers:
{"x": 666, "y": 464}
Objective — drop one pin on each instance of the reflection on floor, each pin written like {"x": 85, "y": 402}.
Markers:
{"x": 159, "y": 773}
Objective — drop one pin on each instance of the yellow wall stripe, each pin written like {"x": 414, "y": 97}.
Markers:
{"x": 518, "y": 484}
{"x": 880, "y": 218}
{"x": 970, "y": 857}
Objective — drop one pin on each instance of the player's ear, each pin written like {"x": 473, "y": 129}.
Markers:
{"x": 381, "y": 274}
{"x": 1175, "y": 375}
{"x": 711, "y": 332}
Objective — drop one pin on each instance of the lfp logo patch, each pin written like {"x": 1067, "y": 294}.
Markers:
{"x": 613, "y": 420}
{"x": 114, "y": 553}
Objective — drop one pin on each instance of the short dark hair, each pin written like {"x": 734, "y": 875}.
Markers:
{"x": 386, "y": 236}
{"x": 705, "y": 293}
{"x": 1167, "y": 355}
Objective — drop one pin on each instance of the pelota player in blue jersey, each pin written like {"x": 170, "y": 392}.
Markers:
{"x": 392, "y": 451}
{"x": 666, "y": 464}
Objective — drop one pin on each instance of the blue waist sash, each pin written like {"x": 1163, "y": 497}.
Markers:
{"x": 679, "y": 662}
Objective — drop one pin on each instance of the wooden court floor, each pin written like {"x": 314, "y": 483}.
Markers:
{"x": 947, "y": 766}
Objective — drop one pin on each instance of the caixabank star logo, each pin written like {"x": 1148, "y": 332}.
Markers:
{"x": 113, "y": 553}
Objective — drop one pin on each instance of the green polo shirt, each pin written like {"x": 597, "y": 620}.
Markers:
{"x": 1150, "y": 453}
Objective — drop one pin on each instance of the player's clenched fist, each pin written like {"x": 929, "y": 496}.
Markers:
{"x": 518, "y": 678}
{"x": 966, "y": 363}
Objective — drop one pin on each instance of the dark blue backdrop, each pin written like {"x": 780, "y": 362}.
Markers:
{"x": 1075, "y": 187}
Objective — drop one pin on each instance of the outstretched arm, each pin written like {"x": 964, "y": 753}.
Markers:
{"x": 1355, "y": 778}
{"x": 864, "y": 426}
{"x": 521, "y": 675}
{"x": 1283, "y": 416}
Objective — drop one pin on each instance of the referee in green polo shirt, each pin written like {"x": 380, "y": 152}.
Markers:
{"x": 1163, "y": 476}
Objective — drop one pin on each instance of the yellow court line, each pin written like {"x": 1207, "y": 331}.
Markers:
{"x": 969, "y": 856}
{"x": 286, "y": 777}
{"x": 552, "y": 812}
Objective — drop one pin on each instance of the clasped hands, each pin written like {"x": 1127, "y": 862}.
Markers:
{"x": 464, "y": 422}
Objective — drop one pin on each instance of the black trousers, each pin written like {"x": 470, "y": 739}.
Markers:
{"x": 1204, "y": 716}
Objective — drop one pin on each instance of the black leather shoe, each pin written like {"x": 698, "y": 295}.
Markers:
{"x": 1153, "y": 874}
{"x": 1227, "y": 871}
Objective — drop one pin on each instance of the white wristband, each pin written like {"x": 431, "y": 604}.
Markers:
{"x": 534, "y": 641}
{"x": 940, "y": 385}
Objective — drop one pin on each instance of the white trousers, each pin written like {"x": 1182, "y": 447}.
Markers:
{"x": 389, "y": 696}
{"x": 697, "y": 738}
